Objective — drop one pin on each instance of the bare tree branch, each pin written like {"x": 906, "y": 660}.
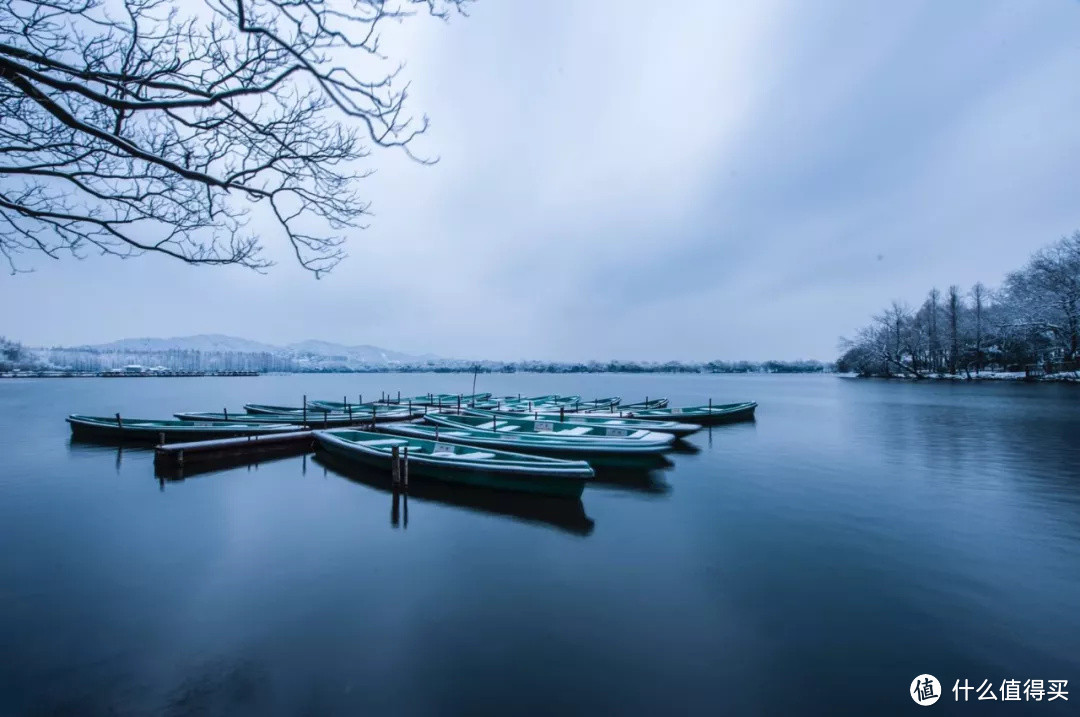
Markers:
{"x": 157, "y": 128}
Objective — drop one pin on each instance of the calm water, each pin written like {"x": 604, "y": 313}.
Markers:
{"x": 813, "y": 562}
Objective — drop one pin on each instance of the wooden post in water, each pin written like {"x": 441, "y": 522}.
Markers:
{"x": 119, "y": 423}
{"x": 399, "y": 401}
{"x": 305, "y": 409}
{"x": 325, "y": 417}
{"x": 562, "y": 414}
{"x": 493, "y": 424}
{"x": 710, "y": 406}
{"x": 226, "y": 414}
{"x": 349, "y": 409}
{"x": 373, "y": 409}
{"x": 360, "y": 399}
{"x": 395, "y": 466}
{"x": 405, "y": 469}
{"x": 459, "y": 403}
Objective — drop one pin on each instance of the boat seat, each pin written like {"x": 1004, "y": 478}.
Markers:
{"x": 384, "y": 442}
{"x": 476, "y": 455}
{"x": 576, "y": 431}
{"x": 511, "y": 427}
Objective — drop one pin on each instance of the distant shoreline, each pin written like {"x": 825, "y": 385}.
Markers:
{"x": 227, "y": 374}
{"x": 988, "y": 376}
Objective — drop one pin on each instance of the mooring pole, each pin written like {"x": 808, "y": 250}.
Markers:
{"x": 395, "y": 467}
{"x": 226, "y": 414}
{"x": 305, "y": 409}
{"x": 373, "y": 409}
{"x": 493, "y": 423}
{"x": 710, "y": 406}
{"x": 405, "y": 469}
{"x": 119, "y": 423}
{"x": 562, "y": 413}
{"x": 325, "y": 418}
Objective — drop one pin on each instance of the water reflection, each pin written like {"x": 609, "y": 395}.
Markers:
{"x": 641, "y": 480}
{"x": 173, "y": 473}
{"x": 567, "y": 515}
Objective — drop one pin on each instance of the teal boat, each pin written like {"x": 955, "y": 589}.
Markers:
{"x": 602, "y": 420}
{"x": 362, "y": 412}
{"x": 454, "y": 463}
{"x": 639, "y": 406}
{"x": 546, "y": 428}
{"x": 314, "y": 419}
{"x": 260, "y": 408}
{"x": 608, "y": 451}
{"x": 435, "y": 399}
{"x": 550, "y": 398}
{"x": 149, "y": 430}
{"x": 709, "y": 415}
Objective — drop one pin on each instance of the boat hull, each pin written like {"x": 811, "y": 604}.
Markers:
{"x": 596, "y": 452}
{"x": 730, "y": 413}
{"x": 493, "y": 477}
{"x": 126, "y": 431}
{"x": 603, "y": 420}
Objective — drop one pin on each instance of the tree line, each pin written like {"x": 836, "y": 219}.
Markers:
{"x": 1031, "y": 323}
{"x": 93, "y": 360}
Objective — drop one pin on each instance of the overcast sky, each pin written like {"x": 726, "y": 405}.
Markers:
{"x": 734, "y": 180}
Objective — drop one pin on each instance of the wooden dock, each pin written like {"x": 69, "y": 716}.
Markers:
{"x": 176, "y": 456}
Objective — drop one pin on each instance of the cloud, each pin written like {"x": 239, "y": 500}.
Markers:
{"x": 713, "y": 180}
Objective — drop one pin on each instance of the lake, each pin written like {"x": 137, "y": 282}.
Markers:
{"x": 815, "y": 561}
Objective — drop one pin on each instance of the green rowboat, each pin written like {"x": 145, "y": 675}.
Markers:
{"x": 258, "y": 408}
{"x": 705, "y": 415}
{"x": 603, "y": 420}
{"x": 315, "y": 419}
{"x": 148, "y": 430}
{"x": 454, "y": 463}
{"x": 612, "y": 450}
{"x": 545, "y": 428}
{"x": 643, "y": 405}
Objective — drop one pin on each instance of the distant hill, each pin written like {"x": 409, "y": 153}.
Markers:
{"x": 362, "y": 354}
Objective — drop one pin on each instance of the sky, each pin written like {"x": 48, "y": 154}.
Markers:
{"x": 729, "y": 180}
